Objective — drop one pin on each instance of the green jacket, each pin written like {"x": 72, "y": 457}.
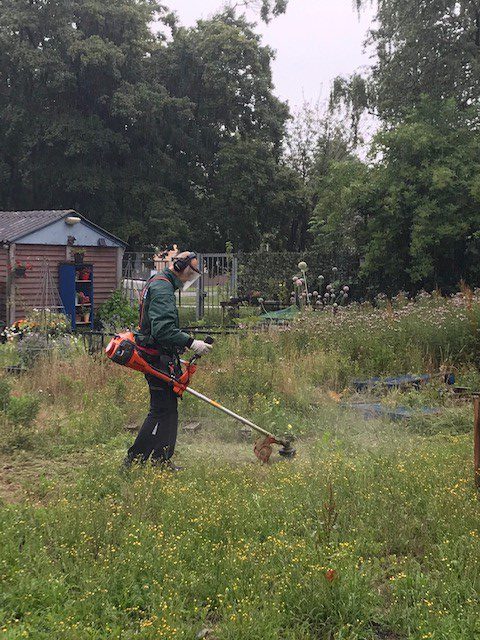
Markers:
{"x": 159, "y": 323}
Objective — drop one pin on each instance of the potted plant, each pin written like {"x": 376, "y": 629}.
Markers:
{"x": 78, "y": 256}
{"x": 84, "y": 274}
{"x": 19, "y": 269}
{"x": 85, "y": 313}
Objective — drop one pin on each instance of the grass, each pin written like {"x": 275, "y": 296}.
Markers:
{"x": 370, "y": 533}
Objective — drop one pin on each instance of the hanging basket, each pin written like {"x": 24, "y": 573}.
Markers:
{"x": 78, "y": 258}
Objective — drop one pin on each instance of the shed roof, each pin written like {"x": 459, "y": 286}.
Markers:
{"x": 14, "y": 225}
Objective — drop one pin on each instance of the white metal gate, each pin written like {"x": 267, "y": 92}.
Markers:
{"x": 217, "y": 283}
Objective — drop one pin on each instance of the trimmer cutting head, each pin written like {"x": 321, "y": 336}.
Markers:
{"x": 288, "y": 451}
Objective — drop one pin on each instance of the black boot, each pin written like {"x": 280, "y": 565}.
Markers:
{"x": 165, "y": 465}
{"x": 126, "y": 465}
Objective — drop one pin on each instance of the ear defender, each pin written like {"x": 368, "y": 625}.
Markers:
{"x": 179, "y": 264}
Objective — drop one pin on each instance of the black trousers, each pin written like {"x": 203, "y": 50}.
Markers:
{"x": 158, "y": 435}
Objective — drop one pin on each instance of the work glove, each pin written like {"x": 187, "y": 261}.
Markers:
{"x": 200, "y": 348}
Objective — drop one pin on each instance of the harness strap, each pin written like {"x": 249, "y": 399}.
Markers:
{"x": 150, "y": 352}
{"x": 145, "y": 291}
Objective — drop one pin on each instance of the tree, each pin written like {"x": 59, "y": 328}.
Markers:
{"x": 422, "y": 199}
{"x": 351, "y": 95}
{"x": 237, "y": 128}
{"x": 77, "y": 106}
{"x": 424, "y": 48}
{"x": 251, "y": 199}
{"x": 99, "y": 114}
{"x": 338, "y": 223}
{"x": 313, "y": 143}
{"x": 418, "y": 200}
{"x": 266, "y": 8}
{"x": 221, "y": 69}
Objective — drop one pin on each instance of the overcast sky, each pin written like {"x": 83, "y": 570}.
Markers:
{"x": 315, "y": 40}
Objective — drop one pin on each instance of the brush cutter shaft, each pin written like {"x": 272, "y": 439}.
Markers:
{"x": 123, "y": 350}
{"x": 215, "y": 404}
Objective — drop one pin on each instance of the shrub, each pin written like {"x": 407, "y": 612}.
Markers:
{"x": 16, "y": 431}
{"x": 22, "y": 411}
{"x": 4, "y": 393}
{"x": 45, "y": 321}
{"x": 117, "y": 312}
{"x": 271, "y": 272}
{"x": 31, "y": 347}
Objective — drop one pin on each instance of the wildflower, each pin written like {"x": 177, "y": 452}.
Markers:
{"x": 330, "y": 575}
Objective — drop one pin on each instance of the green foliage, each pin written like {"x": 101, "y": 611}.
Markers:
{"x": 352, "y": 95}
{"x": 93, "y": 544}
{"x": 424, "y": 48}
{"x": 4, "y": 394}
{"x": 418, "y": 203}
{"x": 31, "y": 347}
{"x": 314, "y": 142}
{"x": 270, "y": 272}
{"x": 157, "y": 555}
{"x": 23, "y": 410}
{"x": 270, "y": 8}
{"x": 338, "y": 223}
{"x": 421, "y": 204}
{"x": 178, "y": 136}
{"x": 16, "y": 427}
{"x": 139, "y": 120}
{"x": 117, "y": 312}
{"x": 249, "y": 186}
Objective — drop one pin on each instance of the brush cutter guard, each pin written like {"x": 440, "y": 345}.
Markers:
{"x": 263, "y": 448}
{"x": 123, "y": 350}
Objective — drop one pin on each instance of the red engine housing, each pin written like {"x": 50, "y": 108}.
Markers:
{"x": 123, "y": 350}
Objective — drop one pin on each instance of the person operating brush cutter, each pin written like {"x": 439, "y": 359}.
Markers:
{"x": 161, "y": 341}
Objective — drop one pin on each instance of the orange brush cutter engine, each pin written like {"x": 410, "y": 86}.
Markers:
{"x": 123, "y": 350}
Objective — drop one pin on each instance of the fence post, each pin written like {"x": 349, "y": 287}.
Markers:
{"x": 476, "y": 440}
{"x": 200, "y": 287}
{"x": 234, "y": 277}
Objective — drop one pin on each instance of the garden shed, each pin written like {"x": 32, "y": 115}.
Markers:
{"x": 37, "y": 258}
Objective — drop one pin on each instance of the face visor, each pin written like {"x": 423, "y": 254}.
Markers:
{"x": 193, "y": 276}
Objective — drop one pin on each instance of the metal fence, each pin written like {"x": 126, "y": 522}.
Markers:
{"x": 217, "y": 283}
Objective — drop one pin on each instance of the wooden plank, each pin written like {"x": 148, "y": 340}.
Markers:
{"x": 28, "y": 289}
{"x": 104, "y": 260}
{"x": 11, "y": 311}
{"x": 3, "y": 284}
{"x": 120, "y": 252}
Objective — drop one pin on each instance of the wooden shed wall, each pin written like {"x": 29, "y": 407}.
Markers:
{"x": 27, "y": 290}
{"x": 3, "y": 284}
{"x": 105, "y": 278}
